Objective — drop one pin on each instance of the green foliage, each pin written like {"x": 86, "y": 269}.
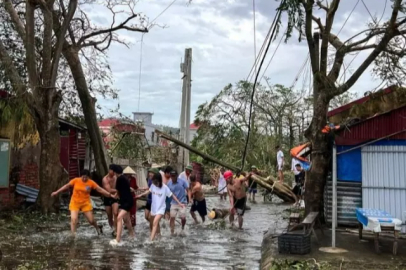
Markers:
{"x": 296, "y": 17}
{"x": 311, "y": 264}
{"x": 223, "y": 124}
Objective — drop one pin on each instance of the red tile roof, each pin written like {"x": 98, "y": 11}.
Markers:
{"x": 109, "y": 122}
{"x": 193, "y": 126}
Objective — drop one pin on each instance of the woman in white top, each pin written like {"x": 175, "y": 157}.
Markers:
{"x": 222, "y": 186}
{"x": 159, "y": 192}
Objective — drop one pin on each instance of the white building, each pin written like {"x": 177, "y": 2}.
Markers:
{"x": 145, "y": 118}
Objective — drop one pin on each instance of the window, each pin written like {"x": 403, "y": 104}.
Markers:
{"x": 152, "y": 136}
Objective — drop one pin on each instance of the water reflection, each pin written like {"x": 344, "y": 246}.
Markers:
{"x": 197, "y": 248}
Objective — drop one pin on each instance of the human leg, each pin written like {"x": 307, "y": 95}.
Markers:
{"x": 109, "y": 213}
{"x": 173, "y": 212}
{"x": 114, "y": 207}
{"x": 90, "y": 218}
{"x": 155, "y": 226}
{"x": 122, "y": 213}
{"x": 74, "y": 214}
{"x": 182, "y": 213}
{"x": 147, "y": 211}
{"x": 128, "y": 224}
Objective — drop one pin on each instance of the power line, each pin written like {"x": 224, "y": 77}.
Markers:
{"x": 274, "y": 27}
{"x": 277, "y": 47}
{"x": 160, "y": 14}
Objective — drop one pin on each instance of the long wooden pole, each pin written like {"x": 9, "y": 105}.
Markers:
{"x": 283, "y": 191}
{"x": 197, "y": 152}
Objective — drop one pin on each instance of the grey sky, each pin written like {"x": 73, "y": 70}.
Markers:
{"x": 220, "y": 34}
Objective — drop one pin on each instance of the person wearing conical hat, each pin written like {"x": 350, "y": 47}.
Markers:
{"x": 185, "y": 175}
{"x": 130, "y": 174}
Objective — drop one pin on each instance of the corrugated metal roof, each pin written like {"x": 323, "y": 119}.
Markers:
{"x": 348, "y": 106}
{"x": 383, "y": 179}
{"x": 374, "y": 128}
{"x": 31, "y": 194}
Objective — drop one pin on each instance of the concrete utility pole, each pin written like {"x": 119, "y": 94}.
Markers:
{"x": 184, "y": 124}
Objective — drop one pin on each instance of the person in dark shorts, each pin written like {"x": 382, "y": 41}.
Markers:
{"x": 110, "y": 204}
{"x": 238, "y": 197}
{"x": 199, "y": 202}
{"x": 252, "y": 190}
{"x": 126, "y": 202}
{"x": 300, "y": 182}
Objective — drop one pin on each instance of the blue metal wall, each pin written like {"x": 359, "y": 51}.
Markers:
{"x": 349, "y": 165}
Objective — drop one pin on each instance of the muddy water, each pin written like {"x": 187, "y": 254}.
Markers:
{"x": 198, "y": 247}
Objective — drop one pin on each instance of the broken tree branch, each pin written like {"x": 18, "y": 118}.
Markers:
{"x": 283, "y": 191}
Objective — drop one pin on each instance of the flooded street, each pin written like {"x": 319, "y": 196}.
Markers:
{"x": 199, "y": 247}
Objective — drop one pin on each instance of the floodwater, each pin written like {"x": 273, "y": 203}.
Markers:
{"x": 199, "y": 247}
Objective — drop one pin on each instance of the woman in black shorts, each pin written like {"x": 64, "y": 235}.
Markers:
{"x": 126, "y": 202}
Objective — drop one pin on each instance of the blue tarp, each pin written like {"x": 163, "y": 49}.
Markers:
{"x": 349, "y": 165}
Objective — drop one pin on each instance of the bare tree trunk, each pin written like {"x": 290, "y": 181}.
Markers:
{"x": 51, "y": 171}
{"x": 89, "y": 111}
{"x": 320, "y": 156}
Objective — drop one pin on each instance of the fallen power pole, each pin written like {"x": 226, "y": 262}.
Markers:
{"x": 283, "y": 191}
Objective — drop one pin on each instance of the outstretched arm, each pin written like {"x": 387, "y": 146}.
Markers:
{"x": 65, "y": 187}
{"x": 176, "y": 200}
{"x": 143, "y": 194}
{"x": 104, "y": 192}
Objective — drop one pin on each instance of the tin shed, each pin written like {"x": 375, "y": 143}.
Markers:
{"x": 371, "y": 152}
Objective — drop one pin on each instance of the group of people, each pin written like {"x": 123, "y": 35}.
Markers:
{"x": 167, "y": 193}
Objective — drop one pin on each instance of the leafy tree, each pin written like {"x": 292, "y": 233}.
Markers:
{"x": 34, "y": 58}
{"x": 277, "y": 119}
{"x": 383, "y": 39}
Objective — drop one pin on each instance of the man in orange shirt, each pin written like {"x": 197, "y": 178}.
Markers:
{"x": 80, "y": 200}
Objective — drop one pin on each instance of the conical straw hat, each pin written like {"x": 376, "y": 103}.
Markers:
{"x": 128, "y": 170}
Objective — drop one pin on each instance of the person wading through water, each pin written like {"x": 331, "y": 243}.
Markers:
{"x": 199, "y": 202}
{"x": 126, "y": 202}
{"x": 131, "y": 177}
{"x": 222, "y": 185}
{"x": 159, "y": 192}
{"x": 238, "y": 197}
{"x": 147, "y": 210}
{"x": 80, "y": 200}
{"x": 166, "y": 176}
{"x": 180, "y": 188}
{"x": 111, "y": 204}
{"x": 252, "y": 185}
{"x": 185, "y": 175}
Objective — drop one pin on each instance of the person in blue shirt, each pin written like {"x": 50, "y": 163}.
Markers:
{"x": 180, "y": 188}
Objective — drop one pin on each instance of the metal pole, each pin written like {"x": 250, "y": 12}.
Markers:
{"x": 334, "y": 187}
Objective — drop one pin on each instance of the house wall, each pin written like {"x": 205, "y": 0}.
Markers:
{"x": 25, "y": 158}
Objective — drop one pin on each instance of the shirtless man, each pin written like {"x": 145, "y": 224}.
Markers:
{"x": 199, "y": 202}
{"x": 238, "y": 197}
{"x": 110, "y": 204}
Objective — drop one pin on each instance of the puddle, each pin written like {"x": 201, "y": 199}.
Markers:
{"x": 199, "y": 247}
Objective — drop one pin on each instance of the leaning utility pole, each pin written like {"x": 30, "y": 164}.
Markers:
{"x": 184, "y": 124}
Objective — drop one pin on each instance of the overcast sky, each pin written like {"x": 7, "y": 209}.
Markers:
{"x": 220, "y": 33}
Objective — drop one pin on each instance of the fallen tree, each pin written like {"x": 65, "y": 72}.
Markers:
{"x": 283, "y": 191}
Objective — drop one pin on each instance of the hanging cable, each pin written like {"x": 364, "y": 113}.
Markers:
{"x": 274, "y": 28}
{"x": 277, "y": 47}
